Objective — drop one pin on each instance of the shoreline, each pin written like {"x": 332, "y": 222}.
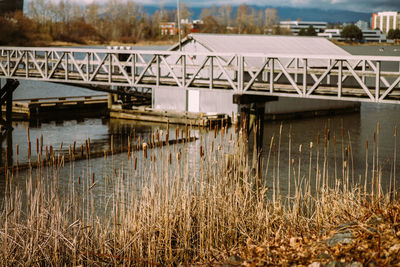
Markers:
{"x": 113, "y": 43}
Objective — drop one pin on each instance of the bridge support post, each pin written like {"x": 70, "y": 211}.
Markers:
{"x": 6, "y": 96}
{"x": 252, "y": 110}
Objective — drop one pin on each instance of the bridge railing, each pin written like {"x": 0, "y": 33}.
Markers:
{"x": 355, "y": 78}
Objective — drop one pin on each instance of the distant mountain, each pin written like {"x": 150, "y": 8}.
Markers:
{"x": 291, "y": 13}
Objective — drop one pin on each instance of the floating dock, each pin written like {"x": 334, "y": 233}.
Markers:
{"x": 59, "y": 107}
{"x": 163, "y": 116}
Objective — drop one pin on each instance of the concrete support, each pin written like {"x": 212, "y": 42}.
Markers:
{"x": 6, "y": 95}
{"x": 252, "y": 111}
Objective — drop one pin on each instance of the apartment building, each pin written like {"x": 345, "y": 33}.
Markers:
{"x": 386, "y": 21}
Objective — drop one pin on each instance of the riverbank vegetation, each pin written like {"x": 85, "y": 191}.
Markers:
{"x": 206, "y": 203}
{"x": 123, "y": 21}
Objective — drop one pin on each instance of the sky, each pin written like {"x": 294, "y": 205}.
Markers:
{"x": 368, "y": 6}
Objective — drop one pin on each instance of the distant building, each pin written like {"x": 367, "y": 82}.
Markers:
{"x": 10, "y": 6}
{"x": 368, "y": 35}
{"x": 386, "y": 21}
{"x": 187, "y": 26}
{"x": 168, "y": 28}
{"x": 374, "y": 36}
{"x": 362, "y": 25}
{"x": 331, "y": 34}
{"x": 296, "y": 26}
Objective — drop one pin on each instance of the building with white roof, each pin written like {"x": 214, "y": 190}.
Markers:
{"x": 221, "y": 102}
{"x": 295, "y": 26}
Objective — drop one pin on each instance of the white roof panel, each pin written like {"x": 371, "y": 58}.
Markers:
{"x": 269, "y": 44}
{"x": 275, "y": 44}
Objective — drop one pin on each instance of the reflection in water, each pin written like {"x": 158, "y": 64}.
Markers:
{"x": 6, "y": 151}
{"x": 342, "y": 138}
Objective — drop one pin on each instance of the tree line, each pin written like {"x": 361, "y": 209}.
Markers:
{"x": 123, "y": 21}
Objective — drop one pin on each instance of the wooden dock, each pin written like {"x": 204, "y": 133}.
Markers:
{"x": 59, "y": 107}
{"x": 163, "y": 116}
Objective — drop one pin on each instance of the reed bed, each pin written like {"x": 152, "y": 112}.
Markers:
{"x": 204, "y": 203}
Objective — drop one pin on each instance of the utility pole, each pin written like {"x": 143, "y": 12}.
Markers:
{"x": 179, "y": 24}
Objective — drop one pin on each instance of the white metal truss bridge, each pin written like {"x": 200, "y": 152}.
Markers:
{"x": 353, "y": 78}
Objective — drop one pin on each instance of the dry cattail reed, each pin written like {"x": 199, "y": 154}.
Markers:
{"x": 144, "y": 146}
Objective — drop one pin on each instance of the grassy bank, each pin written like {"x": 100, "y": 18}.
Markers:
{"x": 212, "y": 204}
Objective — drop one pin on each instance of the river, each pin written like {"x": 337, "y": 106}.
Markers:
{"x": 349, "y": 130}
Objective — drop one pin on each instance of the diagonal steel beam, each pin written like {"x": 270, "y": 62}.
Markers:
{"x": 292, "y": 82}
{"x": 251, "y": 82}
{"x": 316, "y": 85}
{"x": 360, "y": 82}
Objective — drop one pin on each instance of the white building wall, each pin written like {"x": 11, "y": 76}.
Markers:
{"x": 170, "y": 98}
{"x": 222, "y": 102}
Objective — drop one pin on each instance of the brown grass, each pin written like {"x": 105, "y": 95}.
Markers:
{"x": 178, "y": 206}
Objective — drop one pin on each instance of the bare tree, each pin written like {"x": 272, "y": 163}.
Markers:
{"x": 271, "y": 17}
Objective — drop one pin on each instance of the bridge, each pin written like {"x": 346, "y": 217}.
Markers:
{"x": 352, "y": 78}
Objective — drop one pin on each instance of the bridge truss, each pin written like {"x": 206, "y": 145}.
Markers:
{"x": 354, "y": 78}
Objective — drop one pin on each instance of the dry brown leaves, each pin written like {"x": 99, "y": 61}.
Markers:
{"x": 375, "y": 239}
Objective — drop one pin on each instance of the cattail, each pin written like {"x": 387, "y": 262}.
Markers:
{"x": 135, "y": 163}
{"x": 73, "y": 149}
{"x": 215, "y": 132}
{"x": 201, "y": 152}
{"x": 51, "y": 150}
{"x": 79, "y": 180}
{"x": 17, "y": 147}
{"x": 28, "y": 135}
{"x": 112, "y": 144}
{"x": 342, "y": 132}
{"x": 374, "y": 138}
{"x": 61, "y": 145}
{"x": 186, "y": 131}
{"x": 37, "y": 146}
{"x": 318, "y": 139}
{"x": 145, "y": 150}
{"x": 170, "y": 159}
{"x": 176, "y": 133}
{"x": 178, "y": 155}
{"x": 69, "y": 150}
{"x": 47, "y": 152}
{"x": 81, "y": 150}
{"x": 93, "y": 178}
{"x": 86, "y": 147}
{"x": 366, "y": 144}
{"x": 29, "y": 149}
{"x": 158, "y": 137}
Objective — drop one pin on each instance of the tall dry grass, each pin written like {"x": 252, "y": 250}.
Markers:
{"x": 181, "y": 204}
